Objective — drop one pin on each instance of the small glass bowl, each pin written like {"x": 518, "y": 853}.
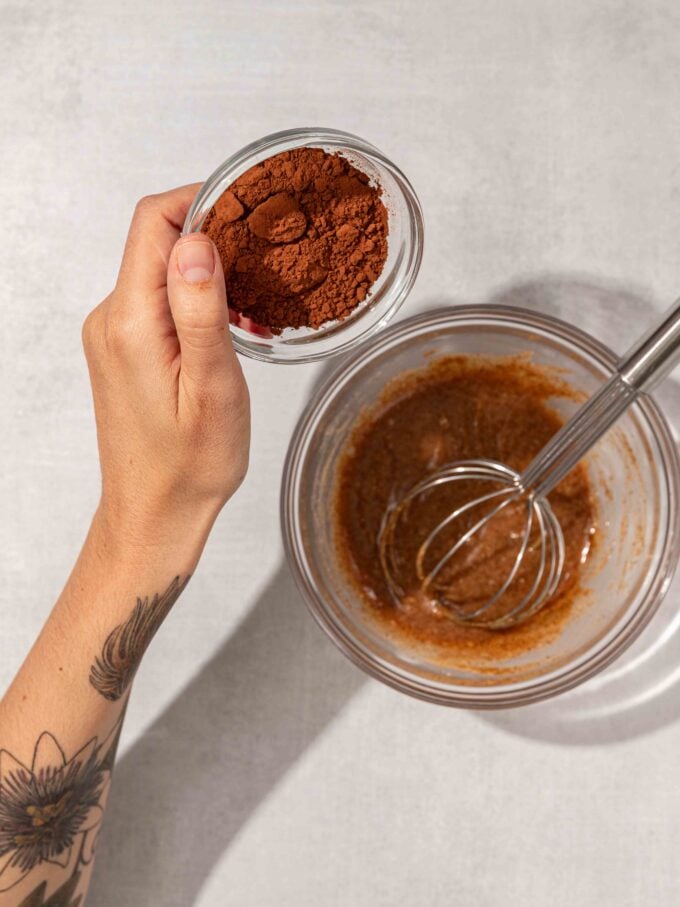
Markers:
{"x": 635, "y": 475}
{"x": 405, "y": 244}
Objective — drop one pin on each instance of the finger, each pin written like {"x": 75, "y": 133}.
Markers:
{"x": 155, "y": 228}
{"x": 198, "y": 303}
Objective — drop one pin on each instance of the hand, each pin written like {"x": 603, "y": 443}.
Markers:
{"x": 171, "y": 403}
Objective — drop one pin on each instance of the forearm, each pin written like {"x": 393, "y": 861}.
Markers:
{"x": 72, "y": 690}
{"x": 173, "y": 428}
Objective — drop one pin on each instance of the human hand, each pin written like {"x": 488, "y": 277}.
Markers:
{"x": 170, "y": 399}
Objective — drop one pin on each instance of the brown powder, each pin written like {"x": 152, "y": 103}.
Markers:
{"x": 456, "y": 408}
{"x": 302, "y": 238}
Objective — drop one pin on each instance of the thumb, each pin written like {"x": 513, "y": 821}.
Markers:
{"x": 198, "y": 303}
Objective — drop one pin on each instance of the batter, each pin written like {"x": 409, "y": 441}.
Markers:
{"x": 456, "y": 408}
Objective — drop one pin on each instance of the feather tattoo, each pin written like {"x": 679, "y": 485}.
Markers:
{"x": 122, "y": 651}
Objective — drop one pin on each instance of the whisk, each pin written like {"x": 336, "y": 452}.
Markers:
{"x": 640, "y": 370}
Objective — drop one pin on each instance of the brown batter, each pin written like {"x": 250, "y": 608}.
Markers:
{"x": 455, "y": 408}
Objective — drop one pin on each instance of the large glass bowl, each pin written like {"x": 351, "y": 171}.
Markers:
{"x": 634, "y": 470}
{"x": 405, "y": 244}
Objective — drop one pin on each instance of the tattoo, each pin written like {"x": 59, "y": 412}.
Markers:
{"x": 62, "y": 897}
{"x": 113, "y": 670}
{"x": 51, "y": 812}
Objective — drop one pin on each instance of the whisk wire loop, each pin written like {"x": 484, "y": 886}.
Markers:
{"x": 648, "y": 361}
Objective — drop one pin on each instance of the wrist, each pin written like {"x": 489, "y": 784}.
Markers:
{"x": 152, "y": 536}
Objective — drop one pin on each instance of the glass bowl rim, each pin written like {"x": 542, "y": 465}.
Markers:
{"x": 283, "y": 140}
{"x": 502, "y": 695}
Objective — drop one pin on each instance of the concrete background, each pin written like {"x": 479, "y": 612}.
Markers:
{"x": 258, "y": 767}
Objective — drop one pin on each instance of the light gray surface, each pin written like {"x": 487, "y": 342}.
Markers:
{"x": 258, "y": 767}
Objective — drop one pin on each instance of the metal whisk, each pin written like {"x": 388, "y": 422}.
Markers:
{"x": 640, "y": 370}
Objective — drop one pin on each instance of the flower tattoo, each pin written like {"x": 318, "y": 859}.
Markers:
{"x": 53, "y": 806}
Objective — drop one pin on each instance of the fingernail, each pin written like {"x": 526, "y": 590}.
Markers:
{"x": 196, "y": 260}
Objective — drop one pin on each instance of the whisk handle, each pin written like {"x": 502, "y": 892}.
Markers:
{"x": 655, "y": 355}
{"x": 641, "y": 369}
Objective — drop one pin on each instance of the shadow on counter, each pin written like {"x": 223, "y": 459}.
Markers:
{"x": 183, "y": 791}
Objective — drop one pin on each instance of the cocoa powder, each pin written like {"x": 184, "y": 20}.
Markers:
{"x": 302, "y": 238}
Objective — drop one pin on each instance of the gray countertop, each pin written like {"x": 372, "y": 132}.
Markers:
{"x": 257, "y": 766}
